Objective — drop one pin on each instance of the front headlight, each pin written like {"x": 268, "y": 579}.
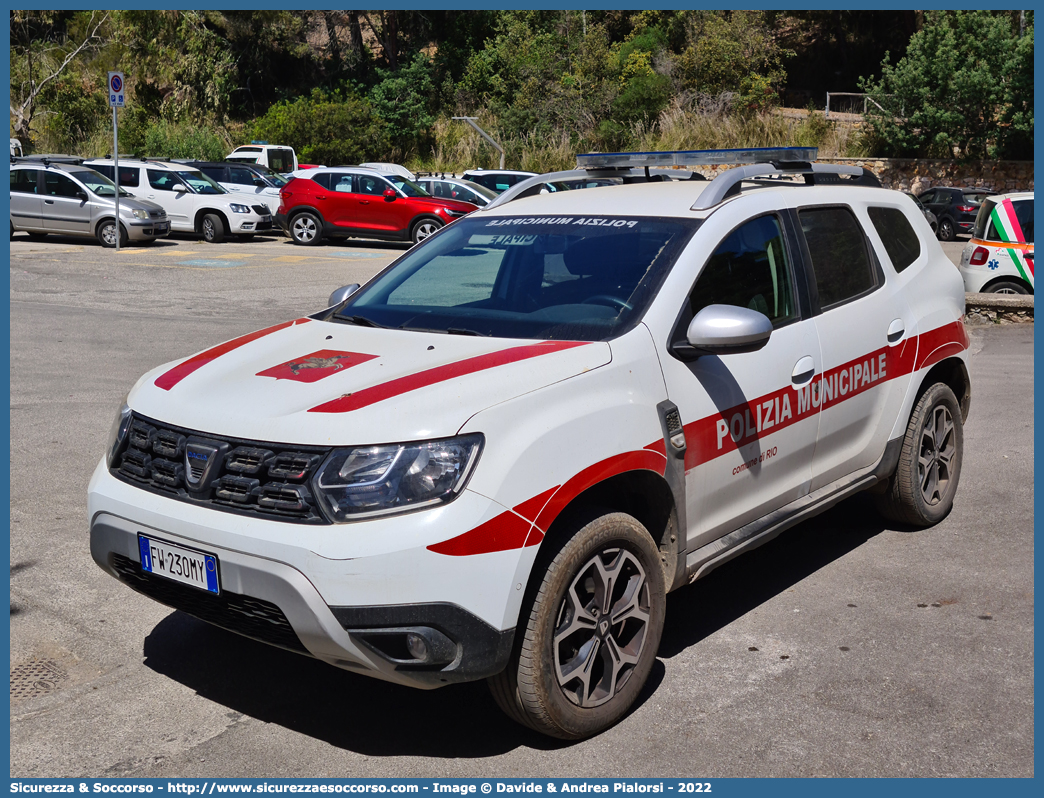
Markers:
{"x": 118, "y": 434}
{"x": 138, "y": 213}
{"x": 239, "y": 208}
{"x": 454, "y": 214}
{"x": 367, "y": 481}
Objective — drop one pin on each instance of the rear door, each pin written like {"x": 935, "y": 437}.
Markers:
{"x": 26, "y": 202}
{"x": 180, "y": 205}
{"x": 868, "y": 341}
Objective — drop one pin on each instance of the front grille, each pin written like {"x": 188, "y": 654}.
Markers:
{"x": 157, "y": 214}
{"x": 245, "y": 615}
{"x": 261, "y": 210}
{"x": 245, "y": 477}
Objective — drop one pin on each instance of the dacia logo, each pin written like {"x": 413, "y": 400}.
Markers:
{"x": 197, "y": 456}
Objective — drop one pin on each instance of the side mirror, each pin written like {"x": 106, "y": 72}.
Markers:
{"x": 390, "y": 194}
{"x": 724, "y": 330}
{"x": 341, "y": 294}
{"x": 259, "y": 182}
{"x": 180, "y": 187}
{"x": 82, "y": 195}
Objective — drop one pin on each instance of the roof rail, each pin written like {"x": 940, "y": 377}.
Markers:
{"x": 46, "y": 159}
{"x": 728, "y": 183}
{"x": 533, "y": 185}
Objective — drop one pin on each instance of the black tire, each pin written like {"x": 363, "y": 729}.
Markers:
{"x": 543, "y": 686}
{"x": 1008, "y": 287}
{"x": 106, "y": 234}
{"x": 920, "y": 492}
{"x": 212, "y": 228}
{"x": 37, "y": 236}
{"x": 12, "y": 231}
{"x": 946, "y": 231}
{"x": 306, "y": 229}
{"x": 422, "y": 228}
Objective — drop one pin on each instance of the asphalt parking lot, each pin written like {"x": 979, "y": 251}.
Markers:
{"x": 844, "y": 648}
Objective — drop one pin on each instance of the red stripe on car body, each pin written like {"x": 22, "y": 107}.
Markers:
{"x": 171, "y": 378}
{"x": 433, "y": 376}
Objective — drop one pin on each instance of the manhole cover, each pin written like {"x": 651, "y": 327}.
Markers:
{"x": 34, "y": 678}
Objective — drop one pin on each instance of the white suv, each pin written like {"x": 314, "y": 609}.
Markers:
{"x": 498, "y": 456}
{"x": 194, "y": 203}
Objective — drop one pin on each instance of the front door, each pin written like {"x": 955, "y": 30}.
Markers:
{"x": 750, "y": 429}
{"x": 66, "y": 208}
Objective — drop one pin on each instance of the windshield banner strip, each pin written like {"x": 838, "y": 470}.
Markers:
{"x": 451, "y": 371}
{"x": 171, "y": 378}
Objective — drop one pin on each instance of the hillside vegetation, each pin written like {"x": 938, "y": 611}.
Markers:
{"x": 346, "y": 86}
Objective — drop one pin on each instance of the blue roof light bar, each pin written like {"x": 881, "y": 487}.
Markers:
{"x": 623, "y": 160}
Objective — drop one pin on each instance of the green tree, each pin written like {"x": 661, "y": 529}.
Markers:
{"x": 964, "y": 88}
{"x": 327, "y": 128}
{"x": 405, "y": 99}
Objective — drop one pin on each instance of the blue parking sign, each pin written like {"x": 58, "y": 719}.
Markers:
{"x": 116, "y": 85}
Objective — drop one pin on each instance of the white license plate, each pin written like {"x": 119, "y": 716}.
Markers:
{"x": 188, "y": 566}
{"x": 160, "y": 228}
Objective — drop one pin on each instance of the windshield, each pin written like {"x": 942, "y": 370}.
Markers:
{"x": 200, "y": 183}
{"x": 547, "y": 278}
{"x": 407, "y": 187}
{"x": 99, "y": 183}
{"x": 274, "y": 178}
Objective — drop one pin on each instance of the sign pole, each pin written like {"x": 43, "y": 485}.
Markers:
{"x": 116, "y": 100}
{"x": 116, "y": 173}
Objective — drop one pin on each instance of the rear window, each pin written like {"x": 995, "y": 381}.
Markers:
{"x": 1008, "y": 221}
{"x": 840, "y": 260}
{"x": 900, "y": 240}
{"x": 281, "y": 160}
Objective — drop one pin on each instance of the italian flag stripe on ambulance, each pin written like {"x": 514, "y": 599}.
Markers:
{"x": 1010, "y": 231}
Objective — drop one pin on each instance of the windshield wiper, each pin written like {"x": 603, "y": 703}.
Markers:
{"x": 362, "y": 321}
{"x": 465, "y": 331}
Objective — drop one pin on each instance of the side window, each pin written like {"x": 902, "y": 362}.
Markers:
{"x": 899, "y": 238}
{"x": 342, "y": 183}
{"x": 749, "y": 269}
{"x": 839, "y": 258}
{"x": 162, "y": 181}
{"x": 928, "y": 196}
{"x": 371, "y": 185}
{"x": 323, "y": 179}
{"x": 237, "y": 175}
{"x": 108, "y": 171}
{"x": 23, "y": 181}
{"x": 58, "y": 185}
{"x": 128, "y": 176}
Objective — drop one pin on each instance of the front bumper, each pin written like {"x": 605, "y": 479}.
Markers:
{"x": 249, "y": 223}
{"x": 354, "y": 613}
{"x": 146, "y": 229}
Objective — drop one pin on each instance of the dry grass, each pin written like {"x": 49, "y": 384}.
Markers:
{"x": 458, "y": 147}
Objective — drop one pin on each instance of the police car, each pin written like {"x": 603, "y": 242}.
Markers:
{"x": 497, "y": 457}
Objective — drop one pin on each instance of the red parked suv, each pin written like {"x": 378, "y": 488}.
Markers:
{"x": 361, "y": 203}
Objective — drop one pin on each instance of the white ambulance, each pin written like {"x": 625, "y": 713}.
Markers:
{"x": 495, "y": 459}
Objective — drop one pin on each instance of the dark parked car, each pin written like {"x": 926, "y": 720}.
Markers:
{"x": 927, "y": 213}
{"x": 955, "y": 208}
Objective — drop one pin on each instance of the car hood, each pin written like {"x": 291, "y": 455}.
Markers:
{"x": 325, "y": 383}
{"x": 134, "y": 203}
{"x": 439, "y": 202}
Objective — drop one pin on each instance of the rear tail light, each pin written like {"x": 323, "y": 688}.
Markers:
{"x": 979, "y": 256}
{"x": 966, "y": 208}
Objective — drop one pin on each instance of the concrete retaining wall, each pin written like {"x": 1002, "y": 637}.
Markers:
{"x": 997, "y": 309}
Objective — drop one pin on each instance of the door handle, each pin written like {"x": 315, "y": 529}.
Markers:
{"x": 320, "y": 196}
{"x": 364, "y": 202}
{"x": 896, "y": 330}
{"x": 48, "y": 202}
{"x": 803, "y": 371}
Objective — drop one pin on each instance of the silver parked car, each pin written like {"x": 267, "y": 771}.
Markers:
{"x": 60, "y": 196}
